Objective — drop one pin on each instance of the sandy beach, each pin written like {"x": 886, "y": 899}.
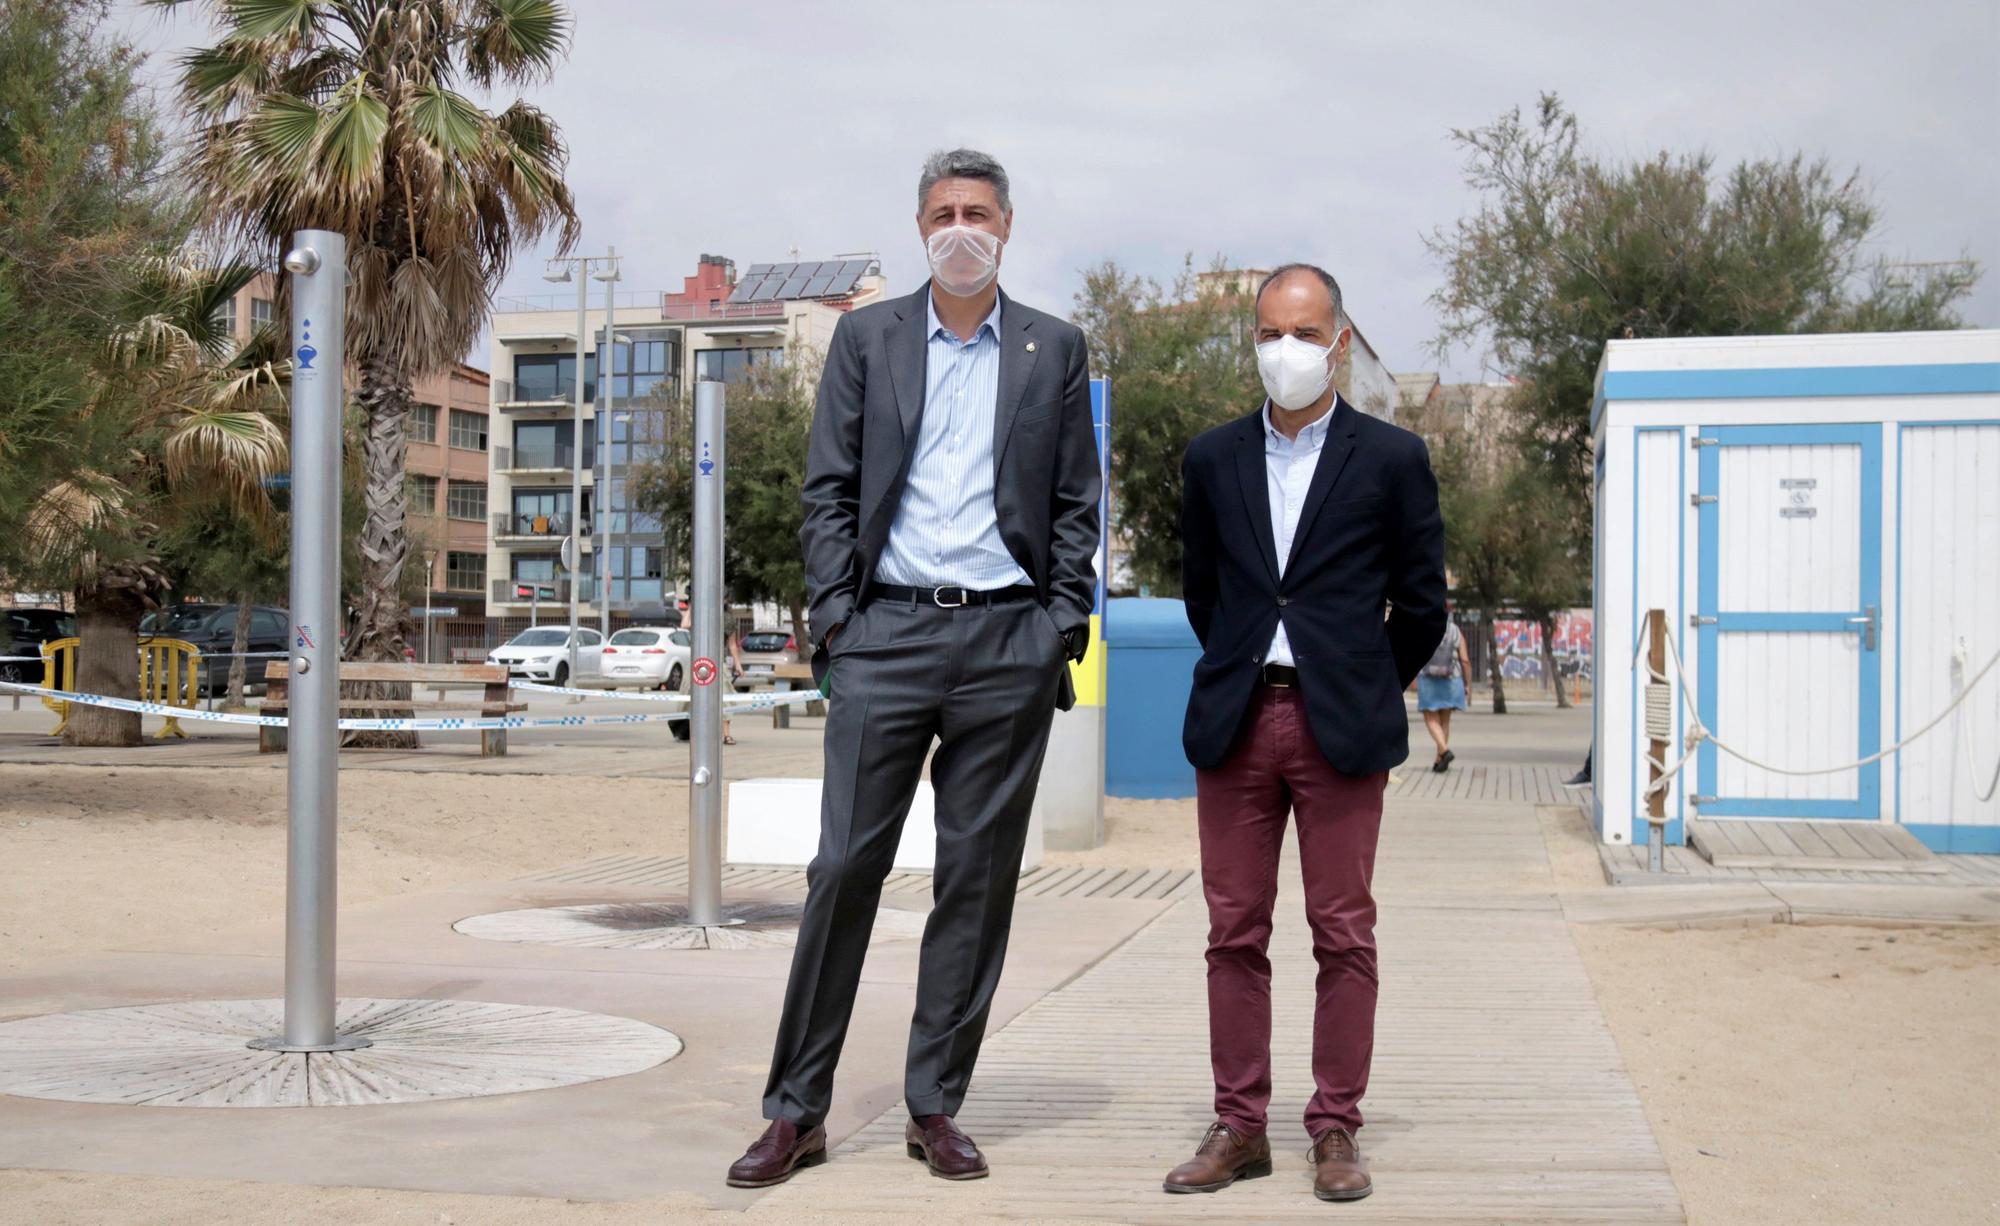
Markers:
{"x": 1776, "y": 1063}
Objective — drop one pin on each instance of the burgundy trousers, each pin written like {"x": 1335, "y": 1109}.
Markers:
{"x": 1276, "y": 769}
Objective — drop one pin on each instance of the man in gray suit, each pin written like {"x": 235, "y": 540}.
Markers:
{"x": 950, "y": 535}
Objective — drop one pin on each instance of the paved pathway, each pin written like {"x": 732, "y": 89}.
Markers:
{"x": 1498, "y": 1094}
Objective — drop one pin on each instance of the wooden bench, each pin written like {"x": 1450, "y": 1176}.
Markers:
{"x": 798, "y": 677}
{"x": 495, "y": 702}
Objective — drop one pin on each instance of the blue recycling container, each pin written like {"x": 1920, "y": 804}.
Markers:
{"x": 1151, "y": 652}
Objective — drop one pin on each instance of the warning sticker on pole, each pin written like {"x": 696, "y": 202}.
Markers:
{"x": 704, "y": 671}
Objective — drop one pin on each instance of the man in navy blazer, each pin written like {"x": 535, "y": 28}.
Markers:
{"x": 1313, "y": 571}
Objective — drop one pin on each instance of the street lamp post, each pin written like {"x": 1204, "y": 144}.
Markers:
{"x": 430, "y": 586}
{"x": 608, "y": 372}
{"x": 560, "y": 270}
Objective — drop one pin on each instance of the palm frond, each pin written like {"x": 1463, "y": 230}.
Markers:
{"x": 516, "y": 40}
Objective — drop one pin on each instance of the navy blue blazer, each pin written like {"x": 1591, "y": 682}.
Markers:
{"x": 1370, "y": 539}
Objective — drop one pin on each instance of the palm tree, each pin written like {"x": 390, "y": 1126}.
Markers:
{"x": 345, "y": 115}
{"x": 171, "y": 415}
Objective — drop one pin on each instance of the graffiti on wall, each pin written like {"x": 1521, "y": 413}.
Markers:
{"x": 1520, "y": 643}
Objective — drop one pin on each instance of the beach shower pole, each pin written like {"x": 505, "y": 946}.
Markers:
{"x": 317, "y": 263}
{"x": 705, "y": 709}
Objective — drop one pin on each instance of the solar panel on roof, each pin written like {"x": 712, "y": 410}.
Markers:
{"x": 854, "y": 270}
{"x": 781, "y": 271}
{"x": 767, "y": 290}
{"x": 792, "y": 287}
{"x": 757, "y": 270}
{"x": 816, "y": 288}
{"x": 746, "y": 287}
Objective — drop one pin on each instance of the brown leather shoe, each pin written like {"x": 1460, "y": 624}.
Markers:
{"x": 774, "y": 1156}
{"x": 950, "y": 1154}
{"x": 1337, "y": 1173}
{"x": 1225, "y": 1156}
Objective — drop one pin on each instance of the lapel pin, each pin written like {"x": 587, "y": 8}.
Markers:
{"x": 1031, "y": 346}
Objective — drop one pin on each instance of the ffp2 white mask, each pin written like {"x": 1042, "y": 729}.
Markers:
{"x": 1294, "y": 372}
{"x": 964, "y": 259}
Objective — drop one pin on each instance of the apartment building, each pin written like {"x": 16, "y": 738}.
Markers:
{"x": 716, "y": 326}
{"x": 446, "y": 467}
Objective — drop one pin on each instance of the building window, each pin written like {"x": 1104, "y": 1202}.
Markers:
{"x": 465, "y": 572}
{"x": 546, "y": 444}
{"x": 552, "y": 376}
{"x": 465, "y": 500}
{"x": 534, "y": 568}
{"x": 644, "y": 365}
{"x": 424, "y": 423}
{"x": 262, "y": 311}
{"x": 225, "y": 318}
{"x": 731, "y": 365}
{"x": 423, "y": 494}
{"x": 468, "y": 430}
{"x": 541, "y": 512}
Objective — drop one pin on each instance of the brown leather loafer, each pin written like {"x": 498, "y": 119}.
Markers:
{"x": 774, "y": 1156}
{"x": 950, "y": 1154}
{"x": 1337, "y": 1173}
{"x": 1224, "y": 1157}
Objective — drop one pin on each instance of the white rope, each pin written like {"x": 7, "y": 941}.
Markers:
{"x": 1964, "y": 738}
{"x": 1697, "y": 733}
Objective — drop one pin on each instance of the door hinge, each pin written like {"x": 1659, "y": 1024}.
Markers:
{"x": 1696, "y": 500}
{"x": 1702, "y": 800}
{"x": 1698, "y": 442}
{"x": 1698, "y": 621}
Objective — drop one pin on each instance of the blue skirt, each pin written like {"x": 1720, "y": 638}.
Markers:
{"x": 1440, "y": 693}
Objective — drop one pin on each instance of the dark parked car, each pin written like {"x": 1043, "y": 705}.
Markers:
{"x": 212, "y": 629}
{"x": 22, "y": 633}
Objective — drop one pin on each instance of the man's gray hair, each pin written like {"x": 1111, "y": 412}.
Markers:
{"x": 1325, "y": 278}
{"x": 962, "y": 164}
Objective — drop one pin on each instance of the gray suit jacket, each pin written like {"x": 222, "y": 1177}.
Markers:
{"x": 864, "y": 434}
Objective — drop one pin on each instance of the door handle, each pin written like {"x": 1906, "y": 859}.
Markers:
{"x": 1868, "y": 624}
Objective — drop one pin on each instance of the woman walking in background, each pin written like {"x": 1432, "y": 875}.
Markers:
{"x": 1441, "y": 690}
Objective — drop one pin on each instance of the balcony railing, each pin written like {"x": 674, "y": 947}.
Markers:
{"x": 559, "y": 458}
{"x": 774, "y": 309}
{"x": 523, "y": 524}
{"x": 509, "y": 394}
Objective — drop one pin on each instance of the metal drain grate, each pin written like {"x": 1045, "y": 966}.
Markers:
{"x": 1046, "y": 881}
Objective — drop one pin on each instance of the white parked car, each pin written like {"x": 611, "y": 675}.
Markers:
{"x": 541, "y": 653}
{"x": 653, "y": 657}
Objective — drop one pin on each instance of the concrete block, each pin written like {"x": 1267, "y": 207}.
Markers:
{"x": 776, "y": 822}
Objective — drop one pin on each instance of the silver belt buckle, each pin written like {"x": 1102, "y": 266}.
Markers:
{"x": 937, "y": 597}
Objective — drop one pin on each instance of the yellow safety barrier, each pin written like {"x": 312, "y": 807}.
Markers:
{"x": 59, "y": 673}
{"x": 169, "y": 673}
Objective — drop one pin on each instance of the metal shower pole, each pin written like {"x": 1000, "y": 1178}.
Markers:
{"x": 317, "y": 263}
{"x": 705, "y": 709}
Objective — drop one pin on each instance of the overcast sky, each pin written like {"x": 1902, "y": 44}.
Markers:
{"x": 1141, "y": 132}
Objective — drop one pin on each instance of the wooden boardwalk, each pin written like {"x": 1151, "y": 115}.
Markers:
{"x": 1046, "y": 881}
{"x": 1498, "y": 1094}
{"x": 1625, "y": 864}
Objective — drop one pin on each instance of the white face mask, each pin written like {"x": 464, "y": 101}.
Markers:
{"x": 1295, "y": 372}
{"x": 964, "y": 260}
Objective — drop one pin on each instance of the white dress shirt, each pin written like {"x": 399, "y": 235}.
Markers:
{"x": 1289, "y": 465}
{"x": 946, "y": 531}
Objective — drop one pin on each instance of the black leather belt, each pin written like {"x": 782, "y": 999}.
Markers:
{"x": 949, "y": 597}
{"x": 1282, "y": 675}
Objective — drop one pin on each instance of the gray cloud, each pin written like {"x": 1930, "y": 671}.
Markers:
{"x": 1260, "y": 131}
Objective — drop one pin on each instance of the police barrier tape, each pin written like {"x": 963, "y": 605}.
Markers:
{"x": 445, "y": 724}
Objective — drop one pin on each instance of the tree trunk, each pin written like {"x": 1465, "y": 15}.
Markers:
{"x": 1548, "y": 623}
{"x": 1493, "y": 662}
{"x": 381, "y": 626}
{"x": 237, "y": 646}
{"x": 799, "y": 634}
{"x": 107, "y": 622}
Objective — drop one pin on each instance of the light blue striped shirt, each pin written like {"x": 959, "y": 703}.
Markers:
{"x": 1289, "y": 465}
{"x": 946, "y": 530}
